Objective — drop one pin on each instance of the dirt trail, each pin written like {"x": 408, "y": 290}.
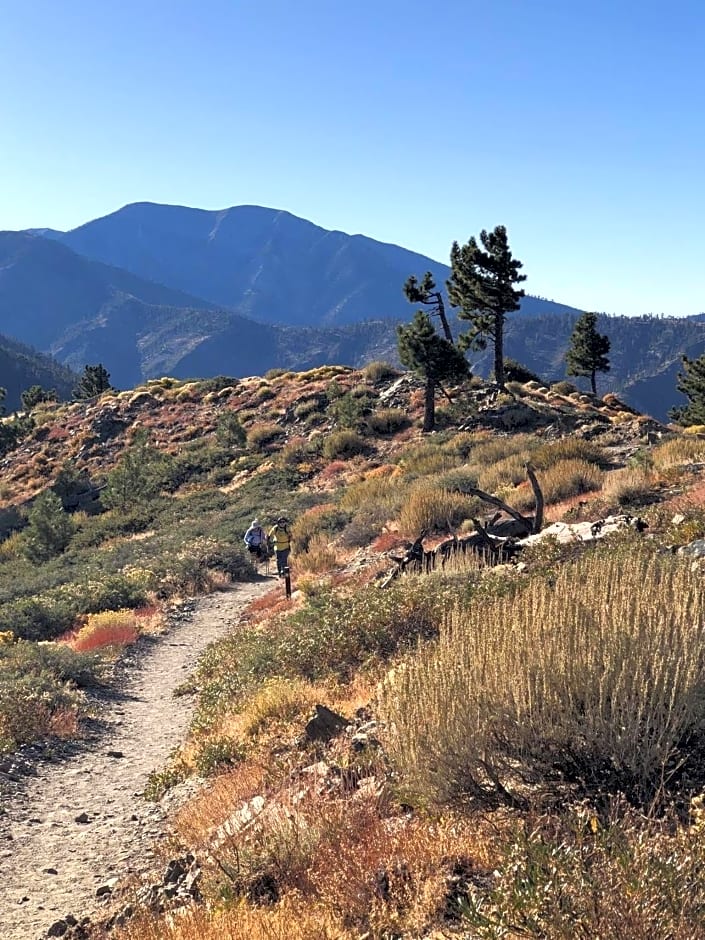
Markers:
{"x": 51, "y": 864}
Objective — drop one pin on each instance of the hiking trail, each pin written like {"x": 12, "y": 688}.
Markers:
{"x": 82, "y": 821}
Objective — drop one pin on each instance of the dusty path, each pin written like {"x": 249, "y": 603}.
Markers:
{"x": 51, "y": 864}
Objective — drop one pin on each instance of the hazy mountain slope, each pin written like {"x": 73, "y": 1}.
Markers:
{"x": 45, "y": 288}
{"x": 265, "y": 263}
{"x": 22, "y": 367}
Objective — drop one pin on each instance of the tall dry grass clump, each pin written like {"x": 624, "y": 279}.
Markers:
{"x": 597, "y": 675}
{"x": 434, "y": 510}
{"x": 569, "y": 478}
{"x": 627, "y": 487}
{"x": 678, "y": 451}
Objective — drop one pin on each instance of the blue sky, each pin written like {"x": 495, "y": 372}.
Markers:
{"x": 578, "y": 125}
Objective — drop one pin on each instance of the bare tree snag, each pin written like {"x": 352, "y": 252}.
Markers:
{"x": 525, "y": 521}
{"x": 538, "y": 497}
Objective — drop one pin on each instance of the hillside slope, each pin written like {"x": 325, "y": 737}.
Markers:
{"x": 21, "y": 367}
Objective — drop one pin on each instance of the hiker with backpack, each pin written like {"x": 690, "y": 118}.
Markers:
{"x": 280, "y": 537}
{"x": 256, "y": 540}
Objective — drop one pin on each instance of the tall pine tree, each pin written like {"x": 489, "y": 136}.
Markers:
{"x": 431, "y": 357}
{"x": 691, "y": 382}
{"x": 588, "y": 350}
{"x": 481, "y": 284}
{"x": 425, "y": 293}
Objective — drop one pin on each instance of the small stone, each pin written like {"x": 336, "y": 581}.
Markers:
{"x": 50, "y": 871}
{"x": 82, "y": 818}
{"x": 115, "y": 754}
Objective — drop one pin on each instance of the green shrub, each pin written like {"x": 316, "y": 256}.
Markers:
{"x": 38, "y": 685}
{"x": 343, "y": 444}
{"x": 387, "y": 421}
{"x": 229, "y": 431}
{"x": 349, "y": 410}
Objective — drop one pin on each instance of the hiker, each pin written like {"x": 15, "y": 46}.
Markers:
{"x": 280, "y": 536}
{"x": 256, "y": 540}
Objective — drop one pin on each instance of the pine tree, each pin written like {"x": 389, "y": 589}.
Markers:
{"x": 691, "y": 382}
{"x": 425, "y": 293}
{"x": 35, "y": 395}
{"x": 138, "y": 476}
{"x": 50, "y": 528}
{"x": 94, "y": 381}
{"x": 588, "y": 350}
{"x": 481, "y": 284}
{"x": 432, "y": 357}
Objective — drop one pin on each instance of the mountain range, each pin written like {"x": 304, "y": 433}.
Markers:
{"x": 153, "y": 289}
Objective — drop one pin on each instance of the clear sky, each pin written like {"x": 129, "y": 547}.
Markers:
{"x": 578, "y": 124}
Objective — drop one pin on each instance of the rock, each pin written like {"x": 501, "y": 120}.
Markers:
{"x": 82, "y": 818}
{"x": 695, "y": 549}
{"x": 324, "y": 725}
{"x": 58, "y": 928}
{"x": 106, "y": 888}
{"x": 115, "y": 754}
{"x": 50, "y": 871}
{"x": 678, "y": 519}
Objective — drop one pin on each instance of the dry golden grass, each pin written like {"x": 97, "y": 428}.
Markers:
{"x": 489, "y": 452}
{"x": 434, "y": 510}
{"x": 292, "y": 919}
{"x": 627, "y": 487}
{"x": 569, "y": 478}
{"x": 382, "y": 491}
{"x": 277, "y": 700}
{"x": 509, "y": 471}
{"x": 598, "y": 671}
{"x": 678, "y": 451}
{"x": 318, "y": 557}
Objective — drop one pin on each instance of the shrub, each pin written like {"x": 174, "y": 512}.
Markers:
{"x": 378, "y": 371}
{"x": 318, "y": 556}
{"x": 38, "y": 690}
{"x": 616, "y": 877}
{"x": 349, "y": 409}
{"x": 516, "y": 372}
{"x": 319, "y": 520}
{"x": 262, "y": 436}
{"x": 343, "y": 444}
{"x": 595, "y": 674}
{"x": 387, "y": 421}
{"x": 137, "y": 478}
{"x": 215, "y": 384}
{"x": 229, "y": 431}
{"x": 564, "y": 388}
{"x": 109, "y": 628}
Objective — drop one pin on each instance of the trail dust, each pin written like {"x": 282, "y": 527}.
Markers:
{"x": 83, "y": 821}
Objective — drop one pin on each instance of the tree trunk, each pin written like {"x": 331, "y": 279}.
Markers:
{"x": 593, "y": 383}
{"x": 442, "y": 314}
{"x": 429, "y": 411}
{"x": 499, "y": 350}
